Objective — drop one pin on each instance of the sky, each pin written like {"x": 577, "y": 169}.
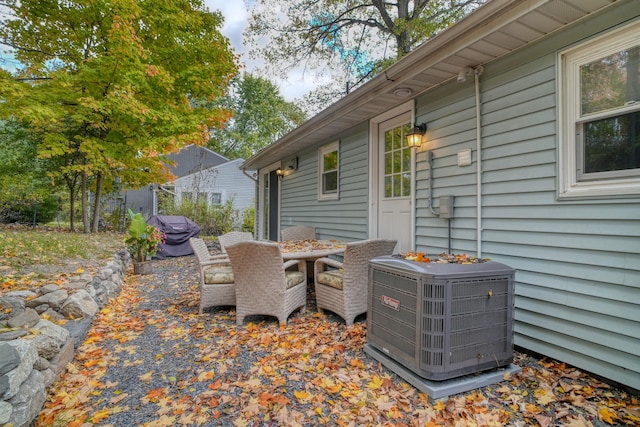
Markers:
{"x": 235, "y": 21}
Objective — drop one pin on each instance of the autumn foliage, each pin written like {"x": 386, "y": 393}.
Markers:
{"x": 151, "y": 360}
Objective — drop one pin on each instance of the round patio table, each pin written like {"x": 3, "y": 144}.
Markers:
{"x": 310, "y": 250}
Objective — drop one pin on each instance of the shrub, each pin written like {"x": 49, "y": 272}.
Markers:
{"x": 25, "y": 210}
{"x": 213, "y": 220}
{"x": 248, "y": 219}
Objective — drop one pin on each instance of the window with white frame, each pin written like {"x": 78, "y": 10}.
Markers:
{"x": 216, "y": 198}
{"x": 328, "y": 171}
{"x": 600, "y": 116}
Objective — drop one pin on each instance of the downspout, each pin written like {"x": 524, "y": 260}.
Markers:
{"x": 477, "y": 73}
{"x": 254, "y": 178}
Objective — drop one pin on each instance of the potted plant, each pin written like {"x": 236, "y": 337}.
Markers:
{"x": 142, "y": 241}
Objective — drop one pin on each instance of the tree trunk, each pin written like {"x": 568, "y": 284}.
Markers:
{"x": 71, "y": 205}
{"x": 85, "y": 202}
{"x": 96, "y": 204}
{"x": 72, "y": 186}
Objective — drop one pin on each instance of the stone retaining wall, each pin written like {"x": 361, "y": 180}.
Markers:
{"x": 34, "y": 350}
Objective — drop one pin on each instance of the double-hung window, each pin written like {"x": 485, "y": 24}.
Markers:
{"x": 600, "y": 116}
{"x": 328, "y": 168}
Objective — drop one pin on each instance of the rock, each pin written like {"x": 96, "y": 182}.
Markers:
{"x": 91, "y": 291}
{"x": 49, "y": 377}
{"x": 4, "y": 384}
{"x": 60, "y": 361}
{"x": 46, "y": 346}
{"x": 9, "y": 358}
{"x": 60, "y": 334}
{"x": 13, "y": 335}
{"x": 75, "y": 285}
{"x": 28, "y": 356}
{"x": 15, "y": 304}
{"x": 28, "y": 318}
{"x": 82, "y": 279}
{"x": 27, "y": 403}
{"x": 102, "y": 295}
{"x": 5, "y": 412}
{"x": 86, "y": 277}
{"x": 41, "y": 308}
{"x": 50, "y": 339}
{"x": 78, "y": 329}
{"x": 22, "y": 294}
{"x": 105, "y": 273}
{"x": 109, "y": 289}
{"x": 49, "y": 288}
{"x": 53, "y": 299}
{"x": 79, "y": 305}
{"x": 117, "y": 267}
{"x": 34, "y": 351}
{"x": 52, "y": 315}
{"x": 42, "y": 364}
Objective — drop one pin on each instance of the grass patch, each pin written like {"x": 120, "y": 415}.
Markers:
{"x": 23, "y": 249}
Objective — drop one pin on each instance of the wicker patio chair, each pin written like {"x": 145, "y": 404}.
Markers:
{"x": 217, "y": 286}
{"x": 233, "y": 237}
{"x": 298, "y": 232}
{"x": 344, "y": 289}
{"x": 262, "y": 284}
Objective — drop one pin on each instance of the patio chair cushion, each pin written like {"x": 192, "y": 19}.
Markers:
{"x": 293, "y": 278}
{"x": 218, "y": 275}
{"x": 331, "y": 278}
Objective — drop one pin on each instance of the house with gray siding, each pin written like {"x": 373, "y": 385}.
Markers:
{"x": 531, "y": 157}
{"x": 218, "y": 185}
{"x": 189, "y": 160}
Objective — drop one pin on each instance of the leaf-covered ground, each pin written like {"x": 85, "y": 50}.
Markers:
{"x": 151, "y": 360}
{"x": 31, "y": 256}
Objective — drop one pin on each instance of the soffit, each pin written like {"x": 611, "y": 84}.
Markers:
{"x": 492, "y": 31}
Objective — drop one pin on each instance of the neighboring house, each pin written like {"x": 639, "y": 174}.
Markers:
{"x": 189, "y": 160}
{"x": 533, "y": 115}
{"x": 218, "y": 185}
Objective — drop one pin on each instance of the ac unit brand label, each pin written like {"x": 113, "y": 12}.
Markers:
{"x": 391, "y": 302}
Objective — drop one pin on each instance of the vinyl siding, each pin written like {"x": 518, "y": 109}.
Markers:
{"x": 345, "y": 218}
{"x": 226, "y": 179}
{"x": 577, "y": 262}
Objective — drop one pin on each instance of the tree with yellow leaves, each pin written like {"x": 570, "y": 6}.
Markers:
{"x": 106, "y": 87}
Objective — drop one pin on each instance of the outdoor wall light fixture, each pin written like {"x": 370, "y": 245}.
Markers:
{"x": 287, "y": 167}
{"x": 414, "y": 136}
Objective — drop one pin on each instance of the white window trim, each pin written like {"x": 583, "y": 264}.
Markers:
{"x": 261, "y": 208}
{"x": 334, "y": 146}
{"x": 569, "y": 62}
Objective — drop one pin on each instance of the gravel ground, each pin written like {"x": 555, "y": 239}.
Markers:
{"x": 151, "y": 360}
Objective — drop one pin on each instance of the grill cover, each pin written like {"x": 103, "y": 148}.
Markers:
{"x": 178, "y": 230}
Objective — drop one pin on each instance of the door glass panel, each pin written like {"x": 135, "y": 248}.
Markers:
{"x": 397, "y": 163}
{"x": 388, "y": 186}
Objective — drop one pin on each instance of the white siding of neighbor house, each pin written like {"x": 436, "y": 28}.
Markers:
{"x": 226, "y": 179}
{"x": 345, "y": 218}
{"x": 577, "y": 262}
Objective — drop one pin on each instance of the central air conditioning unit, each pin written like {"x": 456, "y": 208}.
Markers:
{"x": 439, "y": 320}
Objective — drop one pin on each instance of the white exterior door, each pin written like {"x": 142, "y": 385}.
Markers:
{"x": 394, "y": 178}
